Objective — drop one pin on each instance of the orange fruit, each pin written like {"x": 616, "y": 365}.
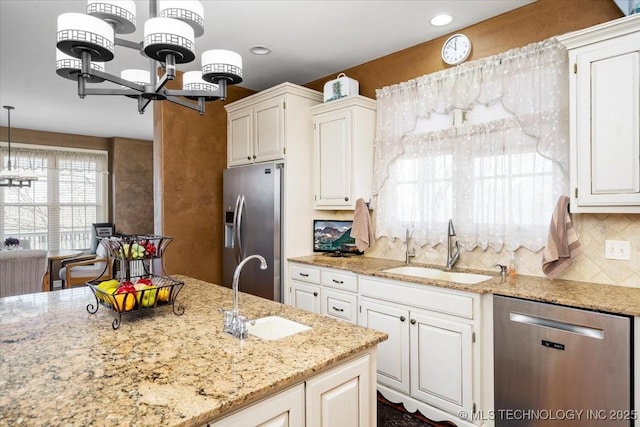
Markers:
{"x": 125, "y": 301}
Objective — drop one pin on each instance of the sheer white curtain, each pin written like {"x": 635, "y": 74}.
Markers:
{"x": 499, "y": 174}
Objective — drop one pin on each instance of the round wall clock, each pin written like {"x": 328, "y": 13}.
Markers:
{"x": 456, "y": 49}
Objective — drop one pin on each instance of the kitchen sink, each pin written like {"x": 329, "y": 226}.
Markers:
{"x": 434, "y": 273}
{"x": 275, "y": 327}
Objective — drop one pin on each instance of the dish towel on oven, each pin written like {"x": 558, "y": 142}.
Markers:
{"x": 362, "y": 230}
{"x": 562, "y": 242}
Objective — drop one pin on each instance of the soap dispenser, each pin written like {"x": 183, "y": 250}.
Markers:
{"x": 512, "y": 265}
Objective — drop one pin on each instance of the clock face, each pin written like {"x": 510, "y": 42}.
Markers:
{"x": 456, "y": 49}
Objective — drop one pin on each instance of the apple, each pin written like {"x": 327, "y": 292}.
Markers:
{"x": 146, "y": 295}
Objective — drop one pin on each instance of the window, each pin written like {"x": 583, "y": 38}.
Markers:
{"x": 484, "y": 144}
{"x": 58, "y": 210}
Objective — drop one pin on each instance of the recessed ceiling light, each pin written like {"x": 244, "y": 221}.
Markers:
{"x": 440, "y": 20}
{"x": 260, "y": 50}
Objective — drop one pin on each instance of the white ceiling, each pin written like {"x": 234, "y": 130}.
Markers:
{"x": 309, "y": 40}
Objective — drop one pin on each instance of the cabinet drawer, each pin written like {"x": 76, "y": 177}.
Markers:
{"x": 439, "y": 300}
{"x": 340, "y": 305}
{"x": 340, "y": 280}
{"x": 305, "y": 274}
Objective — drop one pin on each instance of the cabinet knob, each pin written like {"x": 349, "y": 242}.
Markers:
{"x": 315, "y": 294}
{"x": 402, "y": 318}
{"x": 346, "y": 199}
{"x": 254, "y": 156}
{"x": 413, "y": 321}
{"x": 248, "y": 157}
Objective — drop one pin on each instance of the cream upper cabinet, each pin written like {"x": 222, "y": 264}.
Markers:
{"x": 260, "y": 127}
{"x": 604, "y": 103}
{"x": 344, "y": 132}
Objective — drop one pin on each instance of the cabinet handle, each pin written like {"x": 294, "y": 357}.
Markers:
{"x": 413, "y": 321}
{"x": 346, "y": 199}
{"x": 304, "y": 274}
{"x": 315, "y": 294}
{"x": 402, "y": 318}
{"x": 340, "y": 282}
{"x": 337, "y": 309}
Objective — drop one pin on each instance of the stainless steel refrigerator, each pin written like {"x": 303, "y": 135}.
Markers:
{"x": 252, "y": 203}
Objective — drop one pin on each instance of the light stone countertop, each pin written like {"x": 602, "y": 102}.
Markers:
{"x": 60, "y": 365}
{"x": 594, "y": 296}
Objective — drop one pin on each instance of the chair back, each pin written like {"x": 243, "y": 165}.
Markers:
{"x": 21, "y": 271}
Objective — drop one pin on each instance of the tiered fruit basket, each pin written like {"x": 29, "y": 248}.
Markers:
{"x": 144, "y": 290}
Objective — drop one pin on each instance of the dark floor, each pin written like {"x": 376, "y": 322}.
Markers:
{"x": 393, "y": 415}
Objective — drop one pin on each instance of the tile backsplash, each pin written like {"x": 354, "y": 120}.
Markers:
{"x": 590, "y": 266}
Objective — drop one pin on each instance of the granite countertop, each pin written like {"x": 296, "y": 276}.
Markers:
{"x": 594, "y": 296}
{"x": 60, "y": 365}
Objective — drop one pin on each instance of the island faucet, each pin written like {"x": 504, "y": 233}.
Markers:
{"x": 452, "y": 258}
{"x": 409, "y": 253}
{"x": 234, "y": 323}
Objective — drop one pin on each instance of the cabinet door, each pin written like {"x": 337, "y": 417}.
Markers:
{"x": 608, "y": 124}
{"x": 393, "y": 354}
{"x": 332, "y": 158}
{"x": 240, "y": 137}
{"x": 341, "y": 397}
{"x": 305, "y": 297}
{"x": 269, "y": 130}
{"x": 341, "y": 305}
{"x": 441, "y": 362}
{"x": 286, "y": 409}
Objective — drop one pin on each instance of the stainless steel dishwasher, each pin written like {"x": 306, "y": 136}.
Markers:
{"x": 560, "y": 366}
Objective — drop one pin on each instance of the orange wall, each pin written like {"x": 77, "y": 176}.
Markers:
{"x": 191, "y": 151}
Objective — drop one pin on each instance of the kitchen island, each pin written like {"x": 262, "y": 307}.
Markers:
{"x": 60, "y": 365}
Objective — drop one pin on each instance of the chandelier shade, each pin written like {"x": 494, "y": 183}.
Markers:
{"x": 9, "y": 177}
{"x": 169, "y": 39}
{"x": 69, "y": 67}
{"x": 166, "y": 36}
{"x": 79, "y": 33}
{"x": 221, "y": 64}
{"x": 190, "y": 12}
{"x": 120, "y": 14}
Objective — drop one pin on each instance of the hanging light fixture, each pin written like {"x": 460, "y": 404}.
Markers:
{"x": 86, "y": 41}
{"x": 9, "y": 177}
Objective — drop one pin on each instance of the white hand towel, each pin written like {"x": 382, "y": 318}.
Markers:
{"x": 562, "y": 242}
{"x": 362, "y": 229}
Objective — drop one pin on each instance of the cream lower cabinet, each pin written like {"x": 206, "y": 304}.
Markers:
{"x": 604, "y": 90}
{"x": 427, "y": 363}
{"x": 285, "y": 409}
{"x": 343, "y": 396}
{"x": 304, "y": 287}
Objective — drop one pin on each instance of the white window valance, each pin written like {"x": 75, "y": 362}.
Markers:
{"x": 499, "y": 178}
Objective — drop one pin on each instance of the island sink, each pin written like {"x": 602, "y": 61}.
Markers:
{"x": 274, "y": 328}
{"x": 434, "y": 273}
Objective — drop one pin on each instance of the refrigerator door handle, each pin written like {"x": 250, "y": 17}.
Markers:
{"x": 239, "y": 251}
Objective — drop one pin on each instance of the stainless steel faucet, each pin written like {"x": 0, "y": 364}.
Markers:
{"x": 409, "y": 253}
{"x": 452, "y": 258}
{"x": 234, "y": 323}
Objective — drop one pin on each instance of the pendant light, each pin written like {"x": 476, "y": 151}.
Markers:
{"x": 9, "y": 177}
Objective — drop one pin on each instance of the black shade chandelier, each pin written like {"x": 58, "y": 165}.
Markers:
{"x": 9, "y": 177}
{"x": 86, "y": 41}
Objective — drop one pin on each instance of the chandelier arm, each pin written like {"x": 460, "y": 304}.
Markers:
{"x": 128, "y": 44}
{"x": 183, "y": 102}
{"x": 116, "y": 79}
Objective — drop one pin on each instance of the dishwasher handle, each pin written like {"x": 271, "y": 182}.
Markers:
{"x": 556, "y": 324}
